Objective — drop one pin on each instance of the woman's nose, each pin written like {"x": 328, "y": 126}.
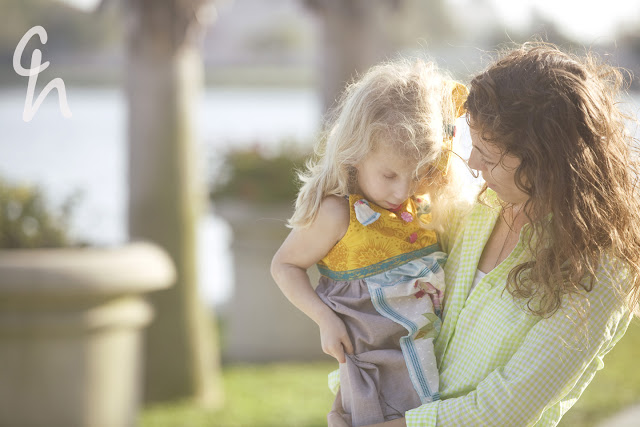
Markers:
{"x": 474, "y": 162}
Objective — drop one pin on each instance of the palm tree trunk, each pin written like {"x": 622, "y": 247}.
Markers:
{"x": 166, "y": 197}
{"x": 355, "y": 36}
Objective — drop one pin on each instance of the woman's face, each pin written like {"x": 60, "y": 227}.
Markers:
{"x": 497, "y": 170}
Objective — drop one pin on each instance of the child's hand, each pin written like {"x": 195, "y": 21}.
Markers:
{"x": 334, "y": 337}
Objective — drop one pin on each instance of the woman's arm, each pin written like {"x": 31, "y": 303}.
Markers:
{"x": 556, "y": 361}
{"x": 303, "y": 248}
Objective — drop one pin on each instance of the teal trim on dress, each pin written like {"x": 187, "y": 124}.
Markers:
{"x": 371, "y": 270}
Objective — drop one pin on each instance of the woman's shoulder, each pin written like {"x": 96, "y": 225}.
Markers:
{"x": 455, "y": 221}
{"x": 613, "y": 276}
{"x": 478, "y": 212}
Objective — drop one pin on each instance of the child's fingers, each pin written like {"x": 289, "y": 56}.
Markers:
{"x": 346, "y": 343}
{"x": 338, "y": 353}
{"x": 335, "y": 351}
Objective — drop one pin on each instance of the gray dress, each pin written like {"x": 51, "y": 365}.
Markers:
{"x": 391, "y": 312}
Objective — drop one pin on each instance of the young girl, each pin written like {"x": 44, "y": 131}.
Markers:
{"x": 361, "y": 216}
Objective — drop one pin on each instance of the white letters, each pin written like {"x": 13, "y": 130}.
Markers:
{"x": 36, "y": 68}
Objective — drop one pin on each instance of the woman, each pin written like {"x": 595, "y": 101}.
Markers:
{"x": 543, "y": 274}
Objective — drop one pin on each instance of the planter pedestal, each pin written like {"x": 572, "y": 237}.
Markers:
{"x": 261, "y": 325}
{"x": 71, "y": 323}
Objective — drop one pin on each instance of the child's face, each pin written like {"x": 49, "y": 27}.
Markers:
{"x": 387, "y": 178}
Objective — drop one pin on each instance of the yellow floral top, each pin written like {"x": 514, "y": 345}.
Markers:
{"x": 379, "y": 239}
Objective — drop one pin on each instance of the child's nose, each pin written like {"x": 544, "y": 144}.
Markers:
{"x": 403, "y": 190}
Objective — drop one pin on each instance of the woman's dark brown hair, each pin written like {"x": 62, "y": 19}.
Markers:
{"x": 559, "y": 114}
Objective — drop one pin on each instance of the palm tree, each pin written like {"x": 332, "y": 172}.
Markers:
{"x": 354, "y": 37}
{"x": 166, "y": 197}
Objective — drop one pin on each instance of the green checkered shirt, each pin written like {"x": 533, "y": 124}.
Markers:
{"x": 500, "y": 366}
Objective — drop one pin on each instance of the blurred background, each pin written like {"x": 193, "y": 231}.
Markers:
{"x": 206, "y": 107}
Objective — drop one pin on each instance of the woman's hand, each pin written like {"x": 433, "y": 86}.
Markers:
{"x": 334, "y": 337}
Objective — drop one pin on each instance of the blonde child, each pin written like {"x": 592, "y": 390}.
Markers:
{"x": 361, "y": 215}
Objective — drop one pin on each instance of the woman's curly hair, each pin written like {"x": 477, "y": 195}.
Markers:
{"x": 559, "y": 113}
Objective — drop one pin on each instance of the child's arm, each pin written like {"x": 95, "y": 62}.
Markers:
{"x": 303, "y": 248}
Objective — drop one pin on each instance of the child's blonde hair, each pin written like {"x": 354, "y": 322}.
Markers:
{"x": 405, "y": 103}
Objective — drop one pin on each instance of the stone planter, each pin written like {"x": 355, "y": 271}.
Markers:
{"x": 261, "y": 325}
{"x": 71, "y": 323}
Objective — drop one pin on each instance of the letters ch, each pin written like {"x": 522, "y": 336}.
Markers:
{"x": 30, "y": 108}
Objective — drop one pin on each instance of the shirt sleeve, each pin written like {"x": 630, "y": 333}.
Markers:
{"x": 454, "y": 224}
{"x": 559, "y": 355}
{"x": 334, "y": 381}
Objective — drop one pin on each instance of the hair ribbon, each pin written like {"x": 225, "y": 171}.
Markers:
{"x": 459, "y": 93}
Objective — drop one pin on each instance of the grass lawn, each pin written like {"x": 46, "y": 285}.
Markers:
{"x": 297, "y": 394}
{"x": 269, "y": 395}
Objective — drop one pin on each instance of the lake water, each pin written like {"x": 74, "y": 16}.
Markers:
{"x": 87, "y": 154}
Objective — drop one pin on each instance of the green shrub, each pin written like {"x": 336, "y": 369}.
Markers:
{"x": 26, "y": 221}
{"x": 250, "y": 174}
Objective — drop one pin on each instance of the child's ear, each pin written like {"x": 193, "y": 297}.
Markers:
{"x": 353, "y": 174}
